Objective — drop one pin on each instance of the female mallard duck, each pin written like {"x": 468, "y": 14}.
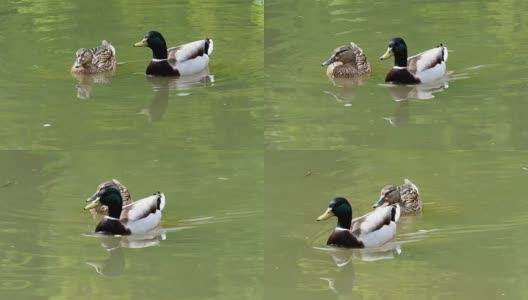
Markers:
{"x": 427, "y": 66}
{"x": 125, "y": 195}
{"x": 347, "y": 62}
{"x": 371, "y": 230}
{"x": 186, "y": 59}
{"x": 95, "y": 60}
{"x": 406, "y": 195}
{"x": 139, "y": 217}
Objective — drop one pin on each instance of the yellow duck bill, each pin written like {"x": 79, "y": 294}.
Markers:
{"x": 388, "y": 54}
{"x": 328, "y": 214}
{"x": 142, "y": 43}
{"x": 93, "y": 204}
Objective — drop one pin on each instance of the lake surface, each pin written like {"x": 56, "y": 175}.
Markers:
{"x": 197, "y": 140}
{"x": 249, "y": 155}
{"x": 463, "y": 143}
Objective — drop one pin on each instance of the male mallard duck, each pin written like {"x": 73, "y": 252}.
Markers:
{"x": 186, "y": 59}
{"x": 139, "y": 217}
{"x": 371, "y": 230}
{"x": 346, "y": 62}
{"x": 125, "y": 195}
{"x": 427, "y": 66}
{"x": 406, "y": 195}
{"x": 95, "y": 60}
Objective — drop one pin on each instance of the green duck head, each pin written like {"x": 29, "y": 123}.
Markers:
{"x": 109, "y": 196}
{"x": 155, "y": 41}
{"x": 340, "y": 208}
{"x": 398, "y": 49}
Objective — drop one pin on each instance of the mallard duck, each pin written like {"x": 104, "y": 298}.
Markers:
{"x": 125, "y": 195}
{"x": 186, "y": 59}
{"x": 427, "y": 66}
{"x": 347, "y": 62}
{"x": 371, "y": 230}
{"x": 406, "y": 195}
{"x": 95, "y": 60}
{"x": 139, "y": 217}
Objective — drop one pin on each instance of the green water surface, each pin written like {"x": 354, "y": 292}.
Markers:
{"x": 197, "y": 140}
{"x": 463, "y": 143}
{"x": 250, "y": 155}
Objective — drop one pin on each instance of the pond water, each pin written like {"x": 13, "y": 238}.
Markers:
{"x": 463, "y": 143}
{"x": 251, "y": 153}
{"x": 198, "y": 140}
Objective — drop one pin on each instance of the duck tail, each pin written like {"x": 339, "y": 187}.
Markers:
{"x": 444, "y": 53}
{"x": 161, "y": 200}
{"x": 395, "y": 213}
{"x": 208, "y": 46}
{"x": 107, "y": 45}
{"x": 413, "y": 186}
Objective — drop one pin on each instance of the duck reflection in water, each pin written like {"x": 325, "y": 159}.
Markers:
{"x": 346, "y": 89}
{"x": 422, "y": 91}
{"x": 85, "y": 82}
{"x": 114, "y": 264}
{"x": 341, "y": 279}
{"x": 162, "y": 85}
{"x": 403, "y": 93}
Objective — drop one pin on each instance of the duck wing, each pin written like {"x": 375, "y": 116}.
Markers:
{"x": 410, "y": 196}
{"x": 190, "y": 50}
{"x": 143, "y": 215}
{"x": 377, "y": 227}
{"x": 191, "y": 58}
{"x": 104, "y": 56}
{"x": 427, "y": 59}
{"x": 408, "y": 184}
{"x": 362, "y": 63}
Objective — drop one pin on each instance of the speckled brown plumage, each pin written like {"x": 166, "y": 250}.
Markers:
{"x": 347, "y": 62}
{"x": 406, "y": 195}
{"x": 95, "y": 60}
